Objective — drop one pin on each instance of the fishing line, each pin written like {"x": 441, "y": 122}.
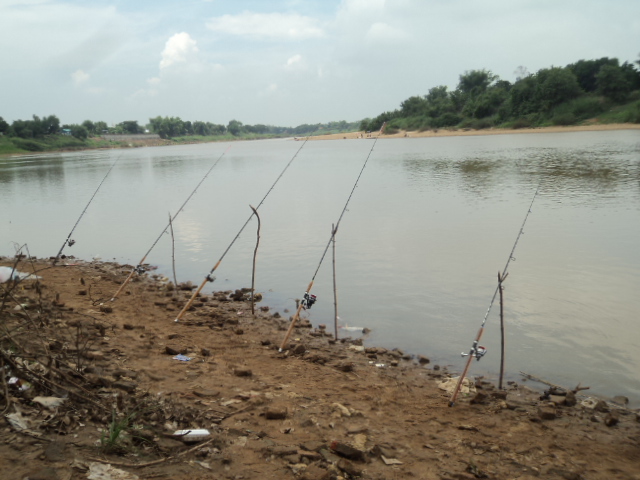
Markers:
{"x": 478, "y": 351}
{"x": 68, "y": 239}
{"x": 308, "y": 299}
{"x": 139, "y": 268}
{"x": 209, "y": 277}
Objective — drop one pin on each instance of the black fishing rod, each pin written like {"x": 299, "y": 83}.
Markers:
{"x": 477, "y": 351}
{"x": 209, "y": 277}
{"x": 139, "y": 268}
{"x": 68, "y": 240}
{"x": 308, "y": 300}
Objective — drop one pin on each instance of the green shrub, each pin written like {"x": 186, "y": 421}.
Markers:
{"x": 29, "y": 145}
{"x": 587, "y": 107}
{"x": 521, "y": 123}
{"x": 564, "y": 119}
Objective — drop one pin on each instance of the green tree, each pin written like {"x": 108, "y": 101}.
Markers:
{"x": 612, "y": 83}
{"x": 4, "y": 126}
{"x": 80, "y": 132}
{"x": 586, "y": 71}
{"x": 554, "y": 86}
{"x": 129, "y": 127}
{"x": 90, "y": 126}
{"x": 234, "y": 127}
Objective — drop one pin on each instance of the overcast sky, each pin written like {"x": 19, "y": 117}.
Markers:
{"x": 281, "y": 62}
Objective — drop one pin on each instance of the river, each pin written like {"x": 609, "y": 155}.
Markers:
{"x": 426, "y": 231}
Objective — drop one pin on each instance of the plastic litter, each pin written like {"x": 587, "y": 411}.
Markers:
{"x": 182, "y": 358}
{"x": 49, "y": 402}
{"x": 196, "y": 435}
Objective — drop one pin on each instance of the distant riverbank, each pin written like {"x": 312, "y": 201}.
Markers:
{"x": 488, "y": 131}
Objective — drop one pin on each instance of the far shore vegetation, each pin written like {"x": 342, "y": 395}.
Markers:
{"x": 585, "y": 92}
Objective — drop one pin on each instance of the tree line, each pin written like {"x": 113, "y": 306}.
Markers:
{"x": 556, "y": 95}
{"x": 165, "y": 127}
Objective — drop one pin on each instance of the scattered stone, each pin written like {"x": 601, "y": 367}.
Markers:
{"x": 106, "y": 309}
{"x": 480, "y": 398}
{"x": 570, "y": 399}
{"x": 601, "y": 406}
{"x": 276, "y": 413}
{"x": 499, "y": 395}
{"x": 620, "y": 400}
{"x": 242, "y": 372}
{"x": 611, "y": 419}
{"x": 547, "y": 413}
{"x": 205, "y": 352}
{"x": 128, "y": 387}
{"x": 206, "y": 393}
{"x": 238, "y": 331}
{"x": 265, "y": 342}
{"x": 299, "y": 349}
{"x": 348, "y": 467}
{"x": 422, "y": 360}
{"x": 314, "y": 472}
{"x": 313, "y": 446}
{"x": 171, "y": 350}
{"x": 283, "y": 450}
{"x": 347, "y": 451}
{"x": 345, "y": 367}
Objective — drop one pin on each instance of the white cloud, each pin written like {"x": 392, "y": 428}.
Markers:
{"x": 382, "y": 32}
{"x": 79, "y": 77}
{"x": 293, "y": 60}
{"x": 178, "y": 49}
{"x": 267, "y": 25}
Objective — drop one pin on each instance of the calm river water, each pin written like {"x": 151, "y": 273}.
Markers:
{"x": 429, "y": 226}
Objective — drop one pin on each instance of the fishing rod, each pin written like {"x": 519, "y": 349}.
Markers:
{"x": 68, "y": 240}
{"x": 308, "y": 300}
{"x": 139, "y": 269}
{"x": 209, "y": 277}
{"x": 477, "y": 351}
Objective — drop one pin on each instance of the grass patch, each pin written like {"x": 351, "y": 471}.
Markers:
{"x": 629, "y": 113}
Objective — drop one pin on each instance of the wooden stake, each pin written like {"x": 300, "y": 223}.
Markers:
{"x": 173, "y": 252}
{"x": 255, "y": 253}
{"x": 501, "y": 289}
{"x": 335, "y": 292}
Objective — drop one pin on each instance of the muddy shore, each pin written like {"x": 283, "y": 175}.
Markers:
{"x": 321, "y": 409}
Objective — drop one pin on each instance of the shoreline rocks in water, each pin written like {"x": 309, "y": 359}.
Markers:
{"x": 96, "y": 386}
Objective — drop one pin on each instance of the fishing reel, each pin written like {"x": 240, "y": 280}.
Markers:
{"x": 71, "y": 242}
{"x": 308, "y": 300}
{"x": 210, "y": 278}
{"x": 477, "y": 351}
{"x": 139, "y": 270}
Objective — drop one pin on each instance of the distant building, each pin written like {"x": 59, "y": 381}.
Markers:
{"x": 66, "y": 131}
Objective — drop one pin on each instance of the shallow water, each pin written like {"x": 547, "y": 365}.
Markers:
{"x": 429, "y": 226}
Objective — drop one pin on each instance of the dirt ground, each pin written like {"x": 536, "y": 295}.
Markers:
{"x": 96, "y": 389}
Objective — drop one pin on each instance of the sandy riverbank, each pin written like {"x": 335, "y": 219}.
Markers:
{"x": 287, "y": 415}
{"x": 489, "y": 131}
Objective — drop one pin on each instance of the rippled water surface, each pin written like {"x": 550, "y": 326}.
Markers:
{"x": 429, "y": 226}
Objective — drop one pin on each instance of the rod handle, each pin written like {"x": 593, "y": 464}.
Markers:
{"x": 193, "y": 297}
{"x": 124, "y": 284}
{"x": 293, "y": 322}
